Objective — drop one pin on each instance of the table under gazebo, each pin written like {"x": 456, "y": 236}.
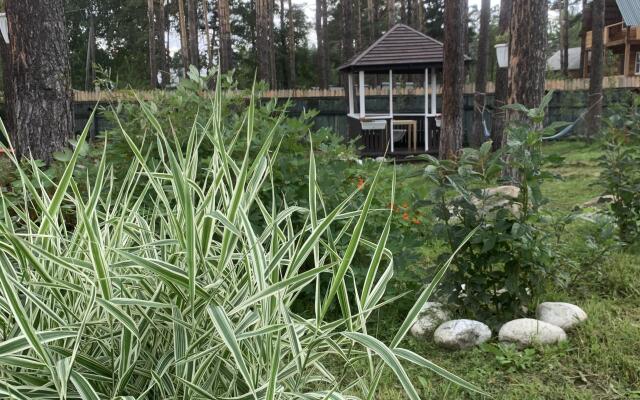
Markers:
{"x": 400, "y": 52}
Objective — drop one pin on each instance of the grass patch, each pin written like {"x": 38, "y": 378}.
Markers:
{"x": 602, "y": 357}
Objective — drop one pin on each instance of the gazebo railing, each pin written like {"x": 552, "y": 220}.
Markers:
{"x": 377, "y": 142}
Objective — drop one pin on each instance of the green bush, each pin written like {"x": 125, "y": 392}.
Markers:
{"x": 620, "y": 173}
{"x": 179, "y": 280}
{"x": 506, "y": 265}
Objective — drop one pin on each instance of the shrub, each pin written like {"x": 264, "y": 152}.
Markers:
{"x": 505, "y": 266}
{"x": 620, "y": 175}
{"x": 181, "y": 281}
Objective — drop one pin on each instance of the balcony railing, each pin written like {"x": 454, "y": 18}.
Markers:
{"x": 615, "y": 34}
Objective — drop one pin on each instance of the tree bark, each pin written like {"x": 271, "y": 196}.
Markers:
{"x": 453, "y": 78}
{"x": 371, "y": 22}
{"x": 192, "y": 15}
{"x": 153, "y": 56}
{"x": 347, "y": 33}
{"x": 38, "y": 94}
{"x": 594, "y": 116}
{"x": 207, "y": 33}
{"x": 272, "y": 53}
{"x": 322, "y": 83}
{"x": 292, "y": 48}
{"x": 419, "y": 15}
{"x": 161, "y": 27}
{"x": 263, "y": 41}
{"x": 90, "y": 71}
{"x": 358, "y": 12}
{"x": 226, "y": 57}
{"x": 325, "y": 43}
{"x": 502, "y": 80}
{"x": 477, "y": 135}
{"x": 527, "y": 60}
{"x": 184, "y": 37}
{"x": 391, "y": 13}
{"x": 564, "y": 38}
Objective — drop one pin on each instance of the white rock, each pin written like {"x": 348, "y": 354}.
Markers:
{"x": 507, "y": 191}
{"x": 526, "y": 331}
{"x": 431, "y": 315}
{"x": 564, "y": 315}
{"x": 461, "y": 334}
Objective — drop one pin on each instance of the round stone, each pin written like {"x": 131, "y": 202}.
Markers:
{"x": 461, "y": 334}
{"x": 564, "y": 315}
{"x": 527, "y": 331}
{"x": 431, "y": 315}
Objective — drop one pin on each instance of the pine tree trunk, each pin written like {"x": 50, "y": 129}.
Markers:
{"x": 161, "y": 27}
{"x": 453, "y": 78}
{"x": 207, "y": 33}
{"x": 272, "y": 47}
{"x": 391, "y": 13}
{"x": 226, "y": 61}
{"x": 594, "y": 116}
{"x": 527, "y": 60}
{"x": 153, "y": 66}
{"x": 184, "y": 37}
{"x": 419, "y": 15}
{"x": 325, "y": 43}
{"x": 322, "y": 83}
{"x": 564, "y": 38}
{"x": 90, "y": 71}
{"x": 263, "y": 41}
{"x": 38, "y": 94}
{"x": 192, "y": 16}
{"x": 371, "y": 22}
{"x": 358, "y": 12}
{"x": 477, "y": 135}
{"x": 502, "y": 80}
{"x": 347, "y": 26}
{"x": 292, "y": 48}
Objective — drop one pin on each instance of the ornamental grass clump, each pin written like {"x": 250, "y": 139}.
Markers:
{"x": 162, "y": 285}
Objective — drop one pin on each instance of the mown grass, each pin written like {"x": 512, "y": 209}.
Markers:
{"x": 601, "y": 359}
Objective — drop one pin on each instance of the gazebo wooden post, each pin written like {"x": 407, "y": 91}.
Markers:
{"x": 351, "y": 105}
{"x": 361, "y": 85}
{"x": 433, "y": 91}
{"x": 391, "y": 109}
{"x": 426, "y": 109}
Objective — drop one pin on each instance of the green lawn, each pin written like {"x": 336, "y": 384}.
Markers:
{"x": 602, "y": 357}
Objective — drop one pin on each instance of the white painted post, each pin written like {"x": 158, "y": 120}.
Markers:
{"x": 391, "y": 93}
{"x": 361, "y": 79}
{"x": 433, "y": 91}
{"x": 426, "y": 109}
{"x": 391, "y": 109}
{"x": 351, "y": 105}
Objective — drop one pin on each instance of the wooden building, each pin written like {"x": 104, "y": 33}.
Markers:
{"x": 402, "y": 57}
{"x": 621, "y": 35}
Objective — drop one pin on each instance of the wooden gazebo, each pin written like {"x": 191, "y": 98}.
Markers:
{"x": 404, "y": 51}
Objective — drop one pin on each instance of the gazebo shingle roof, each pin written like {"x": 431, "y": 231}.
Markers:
{"x": 401, "y": 47}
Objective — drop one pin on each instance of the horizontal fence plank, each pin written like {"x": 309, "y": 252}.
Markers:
{"x": 609, "y": 82}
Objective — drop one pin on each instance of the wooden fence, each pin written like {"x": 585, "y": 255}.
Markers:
{"x": 610, "y": 82}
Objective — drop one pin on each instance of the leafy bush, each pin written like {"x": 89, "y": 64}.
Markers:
{"x": 505, "y": 266}
{"x": 181, "y": 281}
{"x": 340, "y": 170}
{"x": 620, "y": 173}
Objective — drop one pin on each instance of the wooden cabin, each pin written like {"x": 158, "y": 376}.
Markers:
{"x": 401, "y": 58}
{"x": 621, "y": 35}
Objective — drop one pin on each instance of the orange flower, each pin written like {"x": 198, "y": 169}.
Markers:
{"x": 416, "y": 221}
{"x": 405, "y": 216}
{"x": 360, "y": 183}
